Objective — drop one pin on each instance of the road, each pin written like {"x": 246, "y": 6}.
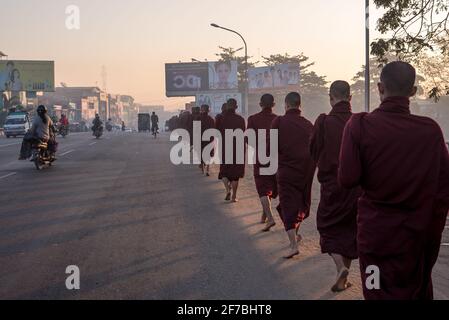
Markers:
{"x": 139, "y": 227}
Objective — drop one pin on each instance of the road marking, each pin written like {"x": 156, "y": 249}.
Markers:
{"x": 92, "y": 143}
{"x": 67, "y": 152}
{"x": 8, "y": 175}
{"x": 11, "y": 144}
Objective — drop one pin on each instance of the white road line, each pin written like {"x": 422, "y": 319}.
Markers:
{"x": 11, "y": 144}
{"x": 92, "y": 143}
{"x": 8, "y": 175}
{"x": 67, "y": 152}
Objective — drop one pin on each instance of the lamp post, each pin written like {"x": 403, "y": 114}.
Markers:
{"x": 367, "y": 53}
{"x": 245, "y": 77}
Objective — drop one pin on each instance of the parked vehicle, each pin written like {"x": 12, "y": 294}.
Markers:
{"x": 144, "y": 122}
{"x": 17, "y": 124}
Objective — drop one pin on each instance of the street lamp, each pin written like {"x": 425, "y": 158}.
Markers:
{"x": 367, "y": 53}
{"x": 245, "y": 80}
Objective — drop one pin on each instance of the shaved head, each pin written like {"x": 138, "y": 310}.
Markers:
{"x": 267, "y": 101}
{"x": 232, "y": 104}
{"x": 293, "y": 100}
{"x": 340, "y": 90}
{"x": 398, "y": 79}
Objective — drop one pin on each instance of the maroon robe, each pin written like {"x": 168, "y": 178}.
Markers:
{"x": 207, "y": 122}
{"x": 337, "y": 211}
{"x": 266, "y": 185}
{"x": 230, "y": 121}
{"x": 296, "y": 167}
{"x": 402, "y": 164}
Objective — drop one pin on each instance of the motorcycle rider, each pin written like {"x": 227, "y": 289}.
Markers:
{"x": 154, "y": 123}
{"x": 109, "y": 124}
{"x": 97, "y": 123}
{"x": 64, "y": 123}
{"x": 42, "y": 130}
{"x": 123, "y": 126}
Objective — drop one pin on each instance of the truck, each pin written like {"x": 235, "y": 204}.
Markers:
{"x": 144, "y": 122}
{"x": 16, "y": 124}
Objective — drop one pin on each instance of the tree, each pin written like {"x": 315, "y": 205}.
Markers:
{"x": 435, "y": 69}
{"x": 414, "y": 30}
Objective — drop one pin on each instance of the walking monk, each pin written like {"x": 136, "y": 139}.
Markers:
{"x": 296, "y": 169}
{"x": 207, "y": 122}
{"x": 337, "y": 212}
{"x": 266, "y": 185}
{"x": 402, "y": 164}
{"x": 231, "y": 173}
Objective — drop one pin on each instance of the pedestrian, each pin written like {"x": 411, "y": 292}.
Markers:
{"x": 296, "y": 169}
{"x": 401, "y": 163}
{"x": 337, "y": 211}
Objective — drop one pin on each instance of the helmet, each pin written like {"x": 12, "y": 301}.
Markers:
{"x": 41, "y": 109}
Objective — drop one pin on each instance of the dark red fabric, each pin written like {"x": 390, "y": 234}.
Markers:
{"x": 402, "y": 164}
{"x": 230, "y": 121}
{"x": 266, "y": 185}
{"x": 337, "y": 211}
{"x": 296, "y": 167}
{"x": 207, "y": 122}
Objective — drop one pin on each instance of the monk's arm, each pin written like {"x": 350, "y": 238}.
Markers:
{"x": 316, "y": 141}
{"x": 443, "y": 184}
{"x": 350, "y": 169}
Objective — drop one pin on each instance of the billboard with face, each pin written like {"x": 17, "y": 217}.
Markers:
{"x": 187, "y": 79}
{"x": 216, "y": 100}
{"x": 223, "y": 75}
{"x": 273, "y": 77}
{"x": 19, "y": 76}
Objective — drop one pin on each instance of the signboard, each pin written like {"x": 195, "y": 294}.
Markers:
{"x": 274, "y": 77}
{"x": 188, "y": 79}
{"x": 19, "y": 76}
{"x": 216, "y": 100}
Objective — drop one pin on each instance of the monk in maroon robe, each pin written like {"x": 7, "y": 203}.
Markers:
{"x": 402, "y": 164}
{"x": 223, "y": 110}
{"x": 337, "y": 211}
{"x": 296, "y": 169}
{"x": 266, "y": 185}
{"x": 231, "y": 173}
{"x": 207, "y": 122}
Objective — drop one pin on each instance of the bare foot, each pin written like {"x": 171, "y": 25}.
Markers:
{"x": 342, "y": 281}
{"x": 228, "y": 196}
{"x": 269, "y": 226}
{"x": 292, "y": 253}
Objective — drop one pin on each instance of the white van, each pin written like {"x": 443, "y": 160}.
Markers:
{"x": 16, "y": 124}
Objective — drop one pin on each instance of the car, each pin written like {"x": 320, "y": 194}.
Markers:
{"x": 16, "y": 124}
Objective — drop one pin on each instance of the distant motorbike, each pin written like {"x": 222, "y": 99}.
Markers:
{"x": 63, "y": 131}
{"x": 98, "y": 132}
{"x": 109, "y": 127}
{"x": 41, "y": 155}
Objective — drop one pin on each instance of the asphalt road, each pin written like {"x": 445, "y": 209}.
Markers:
{"x": 139, "y": 227}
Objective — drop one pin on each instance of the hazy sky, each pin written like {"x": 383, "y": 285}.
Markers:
{"x": 134, "y": 38}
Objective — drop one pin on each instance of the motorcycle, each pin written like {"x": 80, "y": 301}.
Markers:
{"x": 41, "y": 155}
{"x": 108, "y": 127}
{"x": 63, "y": 131}
{"x": 98, "y": 132}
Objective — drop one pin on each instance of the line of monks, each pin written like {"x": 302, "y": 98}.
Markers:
{"x": 384, "y": 181}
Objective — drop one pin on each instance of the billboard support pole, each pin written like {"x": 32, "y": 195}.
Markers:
{"x": 367, "y": 53}
{"x": 245, "y": 76}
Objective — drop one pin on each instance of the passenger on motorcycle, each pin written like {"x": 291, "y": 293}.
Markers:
{"x": 97, "y": 123}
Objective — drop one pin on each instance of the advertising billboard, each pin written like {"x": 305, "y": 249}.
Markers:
{"x": 216, "y": 100}
{"x": 274, "y": 77}
{"x": 19, "y": 76}
{"x": 188, "y": 79}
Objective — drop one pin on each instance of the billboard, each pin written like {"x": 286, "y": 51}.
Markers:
{"x": 223, "y": 75}
{"x": 273, "y": 77}
{"x": 188, "y": 79}
{"x": 216, "y": 100}
{"x": 19, "y": 76}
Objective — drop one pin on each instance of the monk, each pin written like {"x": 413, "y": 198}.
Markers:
{"x": 207, "y": 122}
{"x": 402, "y": 165}
{"x": 296, "y": 169}
{"x": 266, "y": 185}
{"x": 223, "y": 110}
{"x": 231, "y": 173}
{"x": 337, "y": 211}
